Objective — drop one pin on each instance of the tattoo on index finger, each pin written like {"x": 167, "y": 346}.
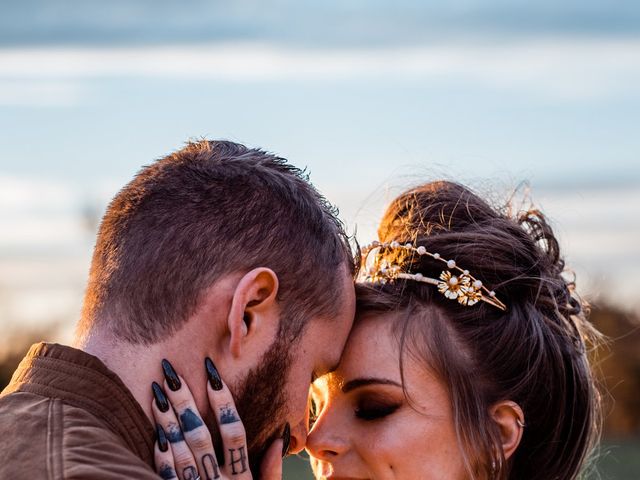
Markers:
{"x": 228, "y": 415}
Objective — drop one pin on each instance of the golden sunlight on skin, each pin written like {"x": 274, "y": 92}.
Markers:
{"x": 317, "y": 352}
{"x": 366, "y": 428}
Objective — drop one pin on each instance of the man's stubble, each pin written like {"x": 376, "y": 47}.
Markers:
{"x": 262, "y": 402}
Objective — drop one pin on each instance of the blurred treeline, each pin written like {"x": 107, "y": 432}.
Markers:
{"x": 618, "y": 365}
{"x": 14, "y": 345}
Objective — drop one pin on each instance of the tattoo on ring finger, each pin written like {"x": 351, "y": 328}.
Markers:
{"x": 190, "y": 473}
{"x": 210, "y": 467}
{"x": 174, "y": 433}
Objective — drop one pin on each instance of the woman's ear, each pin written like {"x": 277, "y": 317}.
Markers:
{"x": 254, "y": 308}
{"x": 510, "y": 421}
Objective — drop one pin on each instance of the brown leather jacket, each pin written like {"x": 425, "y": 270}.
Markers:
{"x": 65, "y": 415}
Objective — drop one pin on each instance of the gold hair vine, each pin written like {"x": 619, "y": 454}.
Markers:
{"x": 454, "y": 283}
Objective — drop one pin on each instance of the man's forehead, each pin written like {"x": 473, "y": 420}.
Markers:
{"x": 330, "y": 356}
{"x": 320, "y": 345}
{"x": 327, "y": 336}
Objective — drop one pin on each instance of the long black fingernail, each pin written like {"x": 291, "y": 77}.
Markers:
{"x": 170, "y": 374}
{"x": 212, "y": 372}
{"x": 161, "y": 399}
{"x": 286, "y": 440}
{"x": 163, "y": 444}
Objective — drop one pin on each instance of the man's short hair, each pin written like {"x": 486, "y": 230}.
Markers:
{"x": 212, "y": 208}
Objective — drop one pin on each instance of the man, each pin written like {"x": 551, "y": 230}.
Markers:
{"x": 216, "y": 251}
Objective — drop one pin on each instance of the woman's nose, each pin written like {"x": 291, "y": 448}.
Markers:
{"x": 326, "y": 440}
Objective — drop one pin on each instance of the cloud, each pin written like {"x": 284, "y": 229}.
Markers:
{"x": 22, "y": 194}
{"x": 567, "y": 67}
{"x": 35, "y": 212}
{"x": 40, "y": 93}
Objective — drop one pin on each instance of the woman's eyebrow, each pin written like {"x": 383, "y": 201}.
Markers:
{"x": 363, "y": 382}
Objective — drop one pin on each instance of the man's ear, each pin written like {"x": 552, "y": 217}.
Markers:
{"x": 510, "y": 421}
{"x": 253, "y": 306}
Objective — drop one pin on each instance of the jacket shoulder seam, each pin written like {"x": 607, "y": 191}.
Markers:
{"x": 55, "y": 465}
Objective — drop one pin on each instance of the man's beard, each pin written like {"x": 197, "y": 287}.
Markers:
{"x": 261, "y": 402}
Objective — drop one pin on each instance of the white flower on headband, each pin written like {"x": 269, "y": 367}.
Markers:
{"x": 471, "y": 296}
{"x": 453, "y": 286}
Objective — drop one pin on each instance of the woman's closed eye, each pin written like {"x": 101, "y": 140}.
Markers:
{"x": 374, "y": 409}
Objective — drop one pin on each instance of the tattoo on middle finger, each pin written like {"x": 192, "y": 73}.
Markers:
{"x": 189, "y": 420}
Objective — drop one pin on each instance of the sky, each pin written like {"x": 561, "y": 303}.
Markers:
{"x": 371, "y": 97}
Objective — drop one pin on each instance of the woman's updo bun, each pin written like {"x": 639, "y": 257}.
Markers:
{"x": 534, "y": 353}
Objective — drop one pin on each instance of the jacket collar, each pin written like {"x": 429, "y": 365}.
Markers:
{"x": 82, "y": 380}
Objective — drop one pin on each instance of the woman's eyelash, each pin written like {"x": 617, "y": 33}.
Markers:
{"x": 312, "y": 419}
{"x": 375, "y": 412}
{"x": 313, "y": 412}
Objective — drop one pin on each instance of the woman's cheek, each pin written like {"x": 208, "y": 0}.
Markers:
{"x": 384, "y": 449}
{"x": 410, "y": 448}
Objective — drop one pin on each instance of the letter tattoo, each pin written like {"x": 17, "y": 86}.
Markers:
{"x": 210, "y": 466}
{"x": 242, "y": 460}
{"x": 190, "y": 473}
{"x": 227, "y": 415}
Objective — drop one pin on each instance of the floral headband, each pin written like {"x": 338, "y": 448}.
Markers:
{"x": 454, "y": 282}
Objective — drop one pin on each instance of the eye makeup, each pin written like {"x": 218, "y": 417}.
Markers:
{"x": 373, "y": 406}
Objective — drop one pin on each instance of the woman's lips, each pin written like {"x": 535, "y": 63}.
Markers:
{"x": 333, "y": 477}
{"x": 326, "y": 471}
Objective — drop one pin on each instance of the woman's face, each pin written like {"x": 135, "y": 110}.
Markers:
{"x": 365, "y": 426}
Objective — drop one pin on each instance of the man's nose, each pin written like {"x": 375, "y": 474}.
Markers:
{"x": 298, "y": 438}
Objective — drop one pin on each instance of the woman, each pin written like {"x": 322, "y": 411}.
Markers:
{"x": 468, "y": 357}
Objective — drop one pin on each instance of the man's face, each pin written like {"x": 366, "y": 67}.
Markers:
{"x": 276, "y": 392}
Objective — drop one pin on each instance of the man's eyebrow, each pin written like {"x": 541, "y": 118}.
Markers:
{"x": 363, "y": 382}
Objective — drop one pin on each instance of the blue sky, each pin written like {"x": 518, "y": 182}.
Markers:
{"x": 370, "y": 96}
{"x": 332, "y": 22}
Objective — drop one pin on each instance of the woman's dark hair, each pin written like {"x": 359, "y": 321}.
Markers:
{"x": 534, "y": 353}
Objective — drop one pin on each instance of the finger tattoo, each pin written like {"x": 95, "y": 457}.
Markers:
{"x": 210, "y": 467}
{"x": 190, "y": 473}
{"x": 189, "y": 420}
{"x": 227, "y": 415}
{"x": 174, "y": 433}
{"x": 167, "y": 472}
{"x": 241, "y": 459}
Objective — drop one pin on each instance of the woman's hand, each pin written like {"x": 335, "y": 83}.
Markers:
{"x": 184, "y": 449}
